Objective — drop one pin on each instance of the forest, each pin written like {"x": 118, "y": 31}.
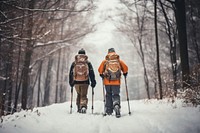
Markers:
{"x": 37, "y": 37}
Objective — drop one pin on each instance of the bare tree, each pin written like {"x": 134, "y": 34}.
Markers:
{"x": 180, "y": 15}
{"x": 135, "y": 29}
{"x": 171, "y": 31}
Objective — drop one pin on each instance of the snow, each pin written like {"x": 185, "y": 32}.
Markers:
{"x": 148, "y": 116}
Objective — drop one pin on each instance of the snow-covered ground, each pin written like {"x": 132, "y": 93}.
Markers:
{"x": 147, "y": 117}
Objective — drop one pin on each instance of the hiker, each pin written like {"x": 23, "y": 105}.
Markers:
{"x": 80, "y": 76}
{"x": 110, "y": 71}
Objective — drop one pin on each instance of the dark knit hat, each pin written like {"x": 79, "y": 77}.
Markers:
{"x": 82, "y": 51}
{"x": 111, "y": 50}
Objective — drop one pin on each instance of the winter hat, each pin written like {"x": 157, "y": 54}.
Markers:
{"x": 82, "y": 51}
{"x": 111, "y": 50}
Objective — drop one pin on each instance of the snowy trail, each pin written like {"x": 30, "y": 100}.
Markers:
{"x": 147, "y": 117}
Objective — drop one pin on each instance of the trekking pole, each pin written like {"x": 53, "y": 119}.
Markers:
{"x": 92, "y": 99}
{"x": 127, "y": 96}
{"x": 104, "y": 113}
{"x": 71, "y": 100}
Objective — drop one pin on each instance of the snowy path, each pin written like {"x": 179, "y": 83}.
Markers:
{"x": 147, "y": 117}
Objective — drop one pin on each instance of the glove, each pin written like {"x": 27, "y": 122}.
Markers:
{"x": 102, "y": 76}
{"x": 71, "y": 84}
{"x": 93, "y": 85}
{"x": 125, "y": 74}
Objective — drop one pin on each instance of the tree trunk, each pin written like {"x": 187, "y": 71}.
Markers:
{"x": 10, "y": 77}
{"x": 18, "y": 82}
{"x": 182, "y": 36}
{"x": 63, "y": 66}
{"x": 28, "y": 54}
{"x": 47, "y": 82}
{"x": 57, "y": 77}
{"x": 31, "y": 92}
{"x": 194, "y": 32}
{"x": 17, "y": 87}
{"x": 157, "y": 50}
{"x": 39, "y": 83}
{"x": 25, "y": 78}
{"x": 1, "y": 84}
{"x": 67, "y": 49}
{"x": 146, "y": 80}
{"x": 4, "y": 91}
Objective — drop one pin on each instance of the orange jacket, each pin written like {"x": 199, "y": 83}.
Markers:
{"x": 113, "y": 82}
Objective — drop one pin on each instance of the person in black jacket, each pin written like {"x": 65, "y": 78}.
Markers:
{"x": 80, "y": 85}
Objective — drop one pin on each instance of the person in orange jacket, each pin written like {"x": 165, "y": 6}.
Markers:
{"x": 112, "y": 85}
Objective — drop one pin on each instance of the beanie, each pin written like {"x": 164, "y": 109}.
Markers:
{"x": 111, "y": 50}
{"x": 82, "y": 51}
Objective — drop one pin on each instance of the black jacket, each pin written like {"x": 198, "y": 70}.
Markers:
{"x": 91, "y": 76}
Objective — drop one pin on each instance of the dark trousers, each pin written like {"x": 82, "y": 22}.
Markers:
{"x": 112, "y": 96}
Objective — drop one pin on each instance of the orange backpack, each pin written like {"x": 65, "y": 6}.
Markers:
{"x": 112, "y": 67}
{"x": 81, "y": 70}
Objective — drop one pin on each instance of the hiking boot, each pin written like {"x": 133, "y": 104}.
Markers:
{"x": 78, "y": 109}
{"x": 83, "y": 110}
{"x": 109, "y": 111}
{"x": 117, "y": 111}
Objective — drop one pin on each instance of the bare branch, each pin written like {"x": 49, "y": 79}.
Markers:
{"x": 59, "y": 41}
{"x": 86, "y": 8}
{"x": 14, "y": 19}
{"x": 48, "y": 54}
{"x": 166, "y": 4}
{"x": 3, "y": 14}
{"x": 171, "y": 1}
